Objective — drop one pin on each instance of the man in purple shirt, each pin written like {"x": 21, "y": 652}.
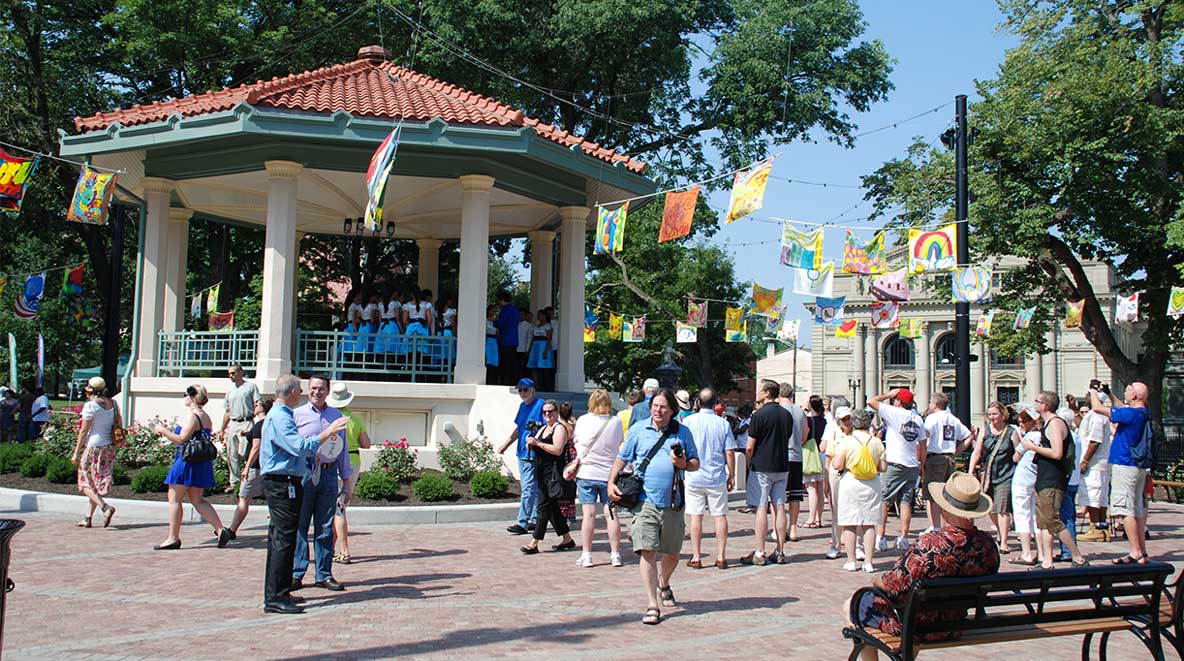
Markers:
{"x": 330, "y": 464}
{"x": 507, "y": 340}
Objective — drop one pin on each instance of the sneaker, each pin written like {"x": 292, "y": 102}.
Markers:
{"x": 832, "y": 554}
{"x": 882, "y": 545}
{"x": 859, "y": 555}
{"x": 615, "y": 559}
{"x": 902, "y": 543}
{"x": 868, "y": 569}
{"x": 585, "y": 560}
{"x": 850, "y": 566}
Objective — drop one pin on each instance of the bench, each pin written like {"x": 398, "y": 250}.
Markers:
{"x": 1038, "y": 604}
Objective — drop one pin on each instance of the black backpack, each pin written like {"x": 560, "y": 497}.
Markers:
{"x": 1146, "y": 451}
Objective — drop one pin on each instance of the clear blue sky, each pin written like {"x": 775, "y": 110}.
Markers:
{"x": 940, "y": 49}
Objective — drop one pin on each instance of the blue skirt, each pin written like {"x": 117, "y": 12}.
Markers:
{"x": 540, "y": 357}
{"x": 349, "y": 342}
{"x": 391, "y": 343}
{"x": 366, "y": 337}
{"x": 446, "y": 349}
{"x": 416, "y": 328}
{"x": 491, "y": 351}
{"x": 186, "y": 474}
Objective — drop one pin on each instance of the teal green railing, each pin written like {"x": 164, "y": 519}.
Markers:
{"x": 185, "y": 353}
{"x": 403, "y": 357}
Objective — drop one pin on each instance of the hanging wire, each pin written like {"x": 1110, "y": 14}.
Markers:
{"x": 78, "y": 164}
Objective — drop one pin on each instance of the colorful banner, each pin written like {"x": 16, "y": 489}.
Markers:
{"x": 222, "y": 321}
{"x": 28, "y": 302}
{"x": 885, "y": 314}
{"x": 829, "y": 311}
{"x": 15, "y": 173}
{"x": 738, "y": 335}
{"x": 212, "y": 298}
{"x": 1175, "y": 302}
{"x": 748, "y": 191}
{"x": 377, "y": 175}
{"x": 911, "y": 327}
{"x": 12, "y": 383}
{"x": 847, "y": 328}
{"x": 971, "y": 284}
{"x": 72, "y": 282}
{"x": 811, "y": 282}
{"x": 789, "y": 331}
{"x": 1023, "y": 318}
{"x": 634, "y": 331}
{"x": 800, "y": 250}
{"x": 40, "y": 360}
{"x": 616, "y": 324}
{"x": 892, "y": 286}
{"x": 864, "y": 258}
{"x": 933, "y": 250}
{"x": 774, "y": 318}
{"x": 734, "y": 319}
{"x": 92, "y": 197}
{"x": 589, "y": 334}
{"x": 590, "y": 317}
{"x": 677, "y": 214}
{"x": 696, "y": 313}
{"x": 195, "y": 307}
{"x": 983, "y": 328}
{"x": 686, "y": 333}
{"x": 3, "y": 284}
{"x": 610, "y": 229}
{"x": 1126, "y": 309}
{"x": 764, "y": 300}
{"x": 81, "y": 310}
{"x": 1073, "y": 310}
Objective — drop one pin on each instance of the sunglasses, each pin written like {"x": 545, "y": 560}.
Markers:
{"x": 523, "y": 389}
{"x": 548, "y": 411}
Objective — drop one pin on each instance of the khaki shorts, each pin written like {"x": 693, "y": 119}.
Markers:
{"x": 252, "y": 487}
{"x": 707, "y": 500}
{"x": 938, "y": 468}
{"x": 1126, "y": 490}
{"x": 1048, "y": 510}
{"x": 1097, "y": 486}
{"x": 656, "y": 529}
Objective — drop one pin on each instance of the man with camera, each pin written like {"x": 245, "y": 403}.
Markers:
{"x": 528, "y": 421}
{"x": 659, "y": 448}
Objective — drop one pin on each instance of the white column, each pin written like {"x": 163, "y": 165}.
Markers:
{"x": 542, "y": 285}
{"x": 178, "y": 252}
{"x": 155, "y": 267}
{"x": 472, "y": 280}
{"x": 1032, "y": 376}
{"x": 1049, "y": 362}
{"x": 429, "y": 265}
{"x": 923, "y": 371}
{"x": 280, "y": 255}
{"x": 871, "y": 366}
{"x": 978, "y": 405}
{"x": 572, "y": 257}
{"x": 860, "y": 367}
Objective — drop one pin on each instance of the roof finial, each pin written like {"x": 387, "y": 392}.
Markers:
{"x": 374, "y": 54}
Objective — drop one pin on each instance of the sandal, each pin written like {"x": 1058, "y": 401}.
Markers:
{"x": 1084, "y": 563}
{"x": 1129, "y": 559}
{"x": 695, "y": 564}
{"x": 652, "y": 616}
{"x": 342, "y": 559}
{"x": 108, "y": 512}
{"x": 667, "y": 596}
{"x": 1024, "y": 561}
{"x": 84, "y": 523}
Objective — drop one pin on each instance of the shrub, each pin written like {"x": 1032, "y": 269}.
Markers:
{"x": 432, "y": 487}
{"x": 144, "y": 448}
{"x": 398, "y": 460}
{"x": 460, "y": 461}
{"x": 376, "y": 485}
{"x": 489, "y": 484}
{"x": 36, "y": 465}
{"x": 13, "y": 455}
{"x": 61, "y": 471}
{"x": 119, "y": 474}
{"x": 59, "y": 437}
{"x": 150, "y": 479}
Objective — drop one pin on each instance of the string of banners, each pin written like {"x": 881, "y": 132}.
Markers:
{"x": 28, "y": 300}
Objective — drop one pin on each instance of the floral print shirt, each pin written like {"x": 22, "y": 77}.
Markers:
{"x": 950, "y": 552}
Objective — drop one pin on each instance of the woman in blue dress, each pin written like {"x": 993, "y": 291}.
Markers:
{"x": 415, "y": 325}
{"x": 542, "y": 358}
{"x": 448, "y": 322}
{"x": 491, "y": 349}
{"x": 187, "y": 480}
{"x": 392, "y": 313}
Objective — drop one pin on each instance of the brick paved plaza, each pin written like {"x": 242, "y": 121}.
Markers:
{"x": 441, "y": 591}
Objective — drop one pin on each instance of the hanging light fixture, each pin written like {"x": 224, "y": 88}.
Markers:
{"x": 347, "y": 226}
{"x": 390, "y": 228}
{"x": 360, "y": 226}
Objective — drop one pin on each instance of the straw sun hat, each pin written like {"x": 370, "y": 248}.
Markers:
{"x": 961, "y": 495}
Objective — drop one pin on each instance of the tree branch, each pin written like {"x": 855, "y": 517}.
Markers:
{"x": 629, "y": 283}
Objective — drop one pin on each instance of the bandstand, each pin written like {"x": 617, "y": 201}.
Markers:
{"x": 290, "y": 154}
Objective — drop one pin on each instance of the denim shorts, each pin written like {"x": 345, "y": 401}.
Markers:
{"x": 590, "y": 492}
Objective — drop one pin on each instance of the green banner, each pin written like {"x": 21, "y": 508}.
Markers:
{"x": 12, "y": 363}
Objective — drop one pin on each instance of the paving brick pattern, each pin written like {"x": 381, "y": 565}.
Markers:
{"x": 440, "y": 591}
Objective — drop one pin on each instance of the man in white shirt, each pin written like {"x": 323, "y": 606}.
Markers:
{"x": 904, "y": 436}
{"x": 946, "y": 437}
{"x": 707, "y": 488}
{"x": 40, "y": 414}
{"x": 1095, "y": 469}
{"x": 525, "y": 330}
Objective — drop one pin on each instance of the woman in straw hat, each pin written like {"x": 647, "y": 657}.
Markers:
{"x": 356, "y": 438}
{"x": 957, "y": 550}
{"x": 100, "y": 417}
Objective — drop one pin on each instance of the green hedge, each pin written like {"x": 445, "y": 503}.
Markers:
{"x": 61, "y": 471}
{"x": 489, "y": 484}
{"x": 376, "y": 485}
{"x": 119, "y": 474}
{"x": 431, "y": 488}
{"x": 150, "y": 479}
{"x": 12, "y": 455}
{"x": 36, "y": 465}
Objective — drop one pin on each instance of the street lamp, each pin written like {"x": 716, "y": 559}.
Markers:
{"x": 853, "y": 382}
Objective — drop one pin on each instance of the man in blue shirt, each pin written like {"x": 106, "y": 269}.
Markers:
{"x": 1127, "y": 480}
{"x": 658, "y": 525}
{"x": 283, "y": 461}
{"x": 507, "y": 339}
{"x": 641, "y": 410}
{"x": 708, "y": 487}
{"x": 530, "y": 410}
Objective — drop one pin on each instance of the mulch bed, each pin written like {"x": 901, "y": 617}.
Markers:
{"x": 404, "y": 498}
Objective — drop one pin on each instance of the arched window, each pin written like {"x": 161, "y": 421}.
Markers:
{"x": 1006, "y": 362}
{"x": 945, "y": 352}
{"x": 898, "y": 352}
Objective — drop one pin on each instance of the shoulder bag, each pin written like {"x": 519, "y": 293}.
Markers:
{"x": 569, "y": 471}
{"x": 118, "y": 433}
{"x": 631, "y": 484}
{"x": 198, "y": 448}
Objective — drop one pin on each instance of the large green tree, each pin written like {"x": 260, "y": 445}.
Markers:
{"x": 1077, "y": 155}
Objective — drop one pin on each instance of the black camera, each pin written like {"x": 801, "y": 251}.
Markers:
{"x": 533, "y": 427}
{"x": 677, "y": 450}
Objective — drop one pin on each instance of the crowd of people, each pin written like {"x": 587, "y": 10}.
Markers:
{"x": 23, "y": 414}
{"x": 1026, "y": 463}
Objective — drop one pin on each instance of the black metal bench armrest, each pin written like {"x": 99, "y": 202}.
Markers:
{"x": 853, "y": 610}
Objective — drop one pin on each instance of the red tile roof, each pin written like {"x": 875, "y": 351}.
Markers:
{"x": 370, "y": 86}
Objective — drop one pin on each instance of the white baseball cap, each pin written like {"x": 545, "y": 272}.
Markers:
{"x": 650, "y": 385}
{"x": 842, "y": 412}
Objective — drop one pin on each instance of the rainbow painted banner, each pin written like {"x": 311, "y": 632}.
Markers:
{"x": 686, "y": 333}
{"x": 610, "y": 229}
{"x": 15, "y": 173}
{"x": 933, "y": 250}
{"x": 377, "y": 174}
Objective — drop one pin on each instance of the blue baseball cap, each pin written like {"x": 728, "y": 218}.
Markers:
{"x": 526, "y": 383}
